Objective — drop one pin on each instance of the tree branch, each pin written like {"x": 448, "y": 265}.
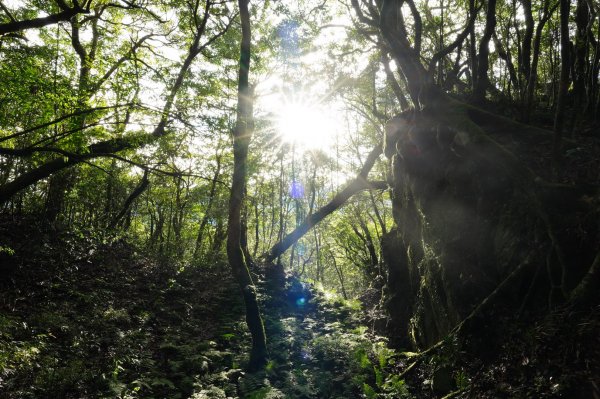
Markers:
{"x": 119, "y": 62}
{"x": 457, "y": 42}
{"x": 139, "y": 189}
{"x": 358, "y": 184}
{"x": 62, "y": 118}
{"x": 65, "y": 15}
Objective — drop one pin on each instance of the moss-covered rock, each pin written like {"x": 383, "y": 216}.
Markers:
{"x": 468, "y": 214}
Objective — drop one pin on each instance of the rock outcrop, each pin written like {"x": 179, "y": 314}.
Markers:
{"x": 470, "y": 212}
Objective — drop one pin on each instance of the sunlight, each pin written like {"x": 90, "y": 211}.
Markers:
{"x": 306, "y": 126}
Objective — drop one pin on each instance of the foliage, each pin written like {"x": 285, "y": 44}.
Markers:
{"x": 138, "y": 333}
{"x": 120, "y": 88}
{"x": 115, "y": 149}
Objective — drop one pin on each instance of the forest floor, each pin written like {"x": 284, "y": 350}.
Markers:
{"x": 83, "y": 318}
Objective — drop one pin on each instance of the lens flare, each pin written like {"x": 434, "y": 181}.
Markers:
{"x": 301, "y": 301}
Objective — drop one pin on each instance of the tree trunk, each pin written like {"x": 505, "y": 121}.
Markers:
{"x": 472, "y": 48}
{"x": 525, "y": 60}
{"x": 242, "y": 134}
{"x": 393, "y": 31}
{"x": 110, "y": 193}
{"x": 373, "y": 258}
{"x": 594, "y": 104}
{"x": 533, "y": 74}
{"x": 58, "y": 186}
{"x": 206, "y": 217}
{"x": 580, "y": 56}
{"x": 482, "y": 81}
{"x": 257, "y": 218}
{"x": 281, "y": 230}
{"x": 244, "y": 236}
{"x": 340, "y": 275}
{"x": 564, "y": 77}
{"x": 218, "y": 238}
{"x": 393, "y": 82}
{"x": 141, "y": 187}
{"x": 505, "y": 55}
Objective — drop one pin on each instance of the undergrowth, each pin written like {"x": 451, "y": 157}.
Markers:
{"x": 82, "y": 316}
{"x": 87, "y": 317}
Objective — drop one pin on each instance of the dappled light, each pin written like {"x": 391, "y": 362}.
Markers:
{"x": 357, "y": 199}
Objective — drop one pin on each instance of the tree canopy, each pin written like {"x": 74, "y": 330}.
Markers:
{"x": 317, "y": 136}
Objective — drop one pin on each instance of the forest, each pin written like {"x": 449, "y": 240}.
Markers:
{"x": 309, "y": 199}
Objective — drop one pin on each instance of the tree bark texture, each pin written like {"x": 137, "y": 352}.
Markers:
{"x": 242, "y": 135}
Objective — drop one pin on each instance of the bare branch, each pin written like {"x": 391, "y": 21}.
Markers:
{"x": 457, "y": 42}
{"x": 62, "y": 118}
{"x": 119, "y": 62}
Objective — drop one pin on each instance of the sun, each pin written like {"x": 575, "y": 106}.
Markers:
{"x": 305, "y": 125}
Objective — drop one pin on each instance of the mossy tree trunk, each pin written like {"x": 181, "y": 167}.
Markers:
{"x": 242, "y": 135}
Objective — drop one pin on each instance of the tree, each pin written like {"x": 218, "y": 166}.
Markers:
{"x": 242, "y": 135}
{"x": 108, "y": 147}
{"x": 482, "y": 81}
{"x": 564, "y": 77}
